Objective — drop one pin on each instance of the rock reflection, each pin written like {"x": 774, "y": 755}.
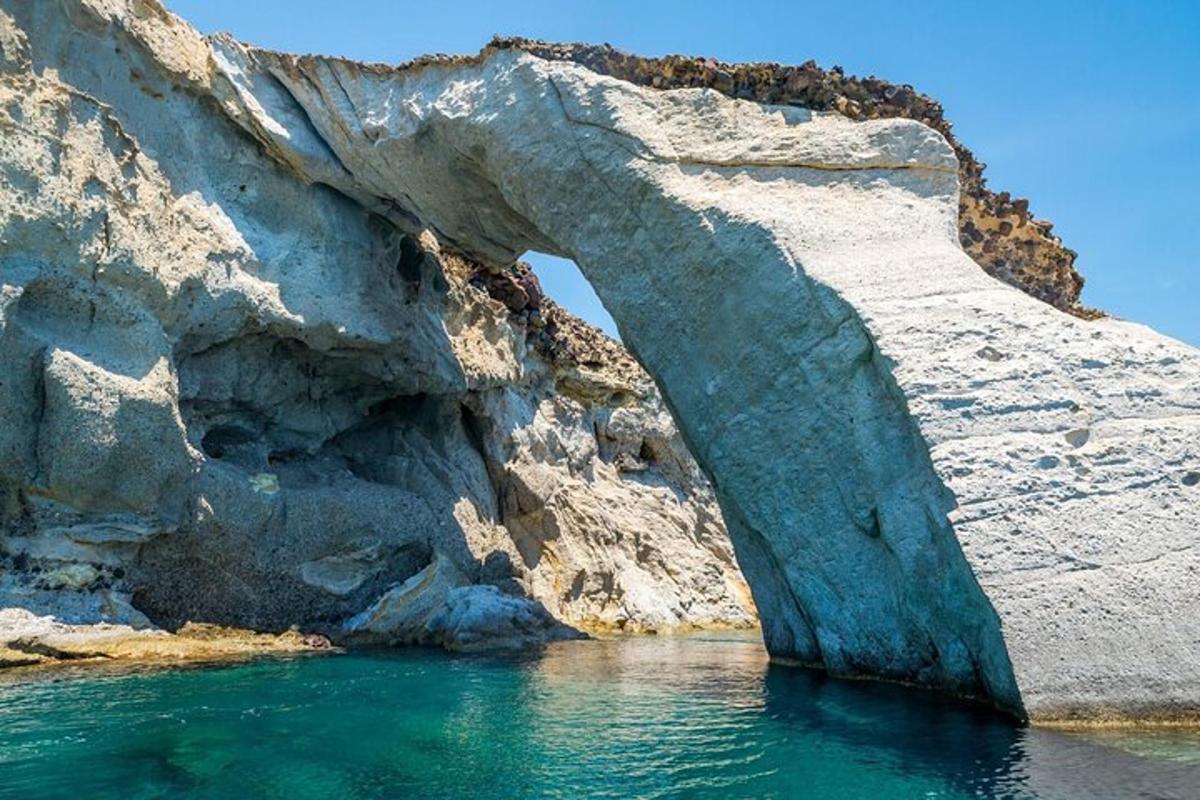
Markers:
{"x": 672, "y": 717}
{"x": 716, "y": 701}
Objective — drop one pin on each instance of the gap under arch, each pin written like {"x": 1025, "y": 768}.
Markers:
{"x": 563, "y": 282}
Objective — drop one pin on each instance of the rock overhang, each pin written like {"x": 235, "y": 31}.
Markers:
{"x": 606, "y": 173}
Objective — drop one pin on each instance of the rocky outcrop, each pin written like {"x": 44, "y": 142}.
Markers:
{"x": 237, "y": 397}
{"x": 440, "y": 606}
{"x": 43, "y": 641}
{"x": 928, "y": 476}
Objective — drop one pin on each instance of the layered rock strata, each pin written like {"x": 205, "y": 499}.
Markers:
{"x": 928, "y": 475}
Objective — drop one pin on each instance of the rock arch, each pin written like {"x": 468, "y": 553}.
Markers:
{"x": 928, "y": 476}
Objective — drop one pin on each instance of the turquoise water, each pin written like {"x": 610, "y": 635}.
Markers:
{"x": 694, "y": 717}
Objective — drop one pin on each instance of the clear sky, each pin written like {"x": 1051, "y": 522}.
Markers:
{"x": 1090, "y": 109}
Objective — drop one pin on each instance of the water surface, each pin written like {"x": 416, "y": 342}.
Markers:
{"x": 686, "y": 717}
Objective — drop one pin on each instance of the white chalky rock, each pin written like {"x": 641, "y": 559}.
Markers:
{"x": 927, "y": 475}
{"x": 230, "y": 395}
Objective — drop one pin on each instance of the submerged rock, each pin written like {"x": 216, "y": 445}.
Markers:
{"x": 286, "y": 328}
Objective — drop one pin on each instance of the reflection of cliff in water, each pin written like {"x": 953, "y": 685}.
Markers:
{"x": 715, "y": 702}
{"x": 702, "y": 717}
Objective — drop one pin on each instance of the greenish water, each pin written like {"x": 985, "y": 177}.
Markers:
{"x": 695, "y": 717}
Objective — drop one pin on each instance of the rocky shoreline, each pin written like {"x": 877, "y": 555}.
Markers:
{"x": 33, "y": 643}
{"x": 329, "y": 416}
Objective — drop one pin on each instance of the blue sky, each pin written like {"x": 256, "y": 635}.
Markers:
{"x": 1090, "y": 109}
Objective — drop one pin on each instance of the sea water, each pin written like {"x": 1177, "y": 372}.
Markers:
{"x": 656, "y": 717}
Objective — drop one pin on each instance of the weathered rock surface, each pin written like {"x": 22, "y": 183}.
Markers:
{"x": 995, "y": 229}
{"x": 870, "y": 405}
{"x": 928, "y": 475}
{"x": 41, "y": 641}
{"x": 233, "y": 396}
{"x": 440, "y": 606}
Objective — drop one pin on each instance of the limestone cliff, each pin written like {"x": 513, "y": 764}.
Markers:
{"x": 272, "y": 360}
{"x": 233, "y": 396}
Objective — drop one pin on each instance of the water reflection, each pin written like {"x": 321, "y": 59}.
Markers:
{"x": 696, "y": 717}
{"x": 720, "y": 698}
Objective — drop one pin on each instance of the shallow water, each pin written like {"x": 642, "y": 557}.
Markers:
{"x": 695, "y": 717}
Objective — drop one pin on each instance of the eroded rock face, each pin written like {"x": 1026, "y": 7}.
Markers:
{"x": 927, "y": 475}
{"x": 234, "y": 396}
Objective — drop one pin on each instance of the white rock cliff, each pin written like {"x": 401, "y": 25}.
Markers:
{"x": 222, "y": 351}
{"x": 234, "y": 396}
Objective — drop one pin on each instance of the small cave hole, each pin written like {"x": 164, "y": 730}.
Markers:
{"x": 405, "y": 407}
{"x": 409, "y": 264}
{"x": 219, "y": 441}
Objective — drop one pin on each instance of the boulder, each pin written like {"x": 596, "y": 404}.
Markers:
{"x": 438, "y": 606}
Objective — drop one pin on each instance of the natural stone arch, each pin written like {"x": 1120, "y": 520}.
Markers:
{"x": 871, "y": 407}
{"x": 842, "y": 371}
